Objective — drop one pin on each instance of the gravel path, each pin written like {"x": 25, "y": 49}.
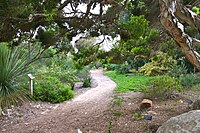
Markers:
{"x": 87, "y": 112}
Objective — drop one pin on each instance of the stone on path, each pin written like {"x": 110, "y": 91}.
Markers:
{"x": 145, "y": 104}
{"x": 185, "y": 123}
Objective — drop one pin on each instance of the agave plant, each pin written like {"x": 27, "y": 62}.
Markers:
{"x": 13, "y": 64}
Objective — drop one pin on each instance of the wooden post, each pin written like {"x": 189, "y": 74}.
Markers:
{"x": 31, "y": 83}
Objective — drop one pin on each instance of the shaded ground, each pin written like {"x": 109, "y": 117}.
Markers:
{"x": 96, "y": 110}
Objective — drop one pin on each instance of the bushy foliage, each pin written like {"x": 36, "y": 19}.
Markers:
{"x": 178, "y": 70}
{"x": 189, "y": 80}
{"x": 163, "y": 87}
{"x": 136, "y": 26}
{"x": 169, "y": 46}
{"x": 136, "y": 41}
{"x": 111, "y": 66}
{"x": 87, "y": 82}
{"x": 123, "y": 68}
{"x": 13, "y": 66}
{"x": 160, "y": 64}
{"x": 60, "y": 67}
{"x": 119, "y": 68}
{"x": 68, "y": 76}
{"x": 85, "y": 53}
{"x": 136, "y": 35}
{"x": 50, "y": 89}
{"x": 84, "y": 76}
{"x": 136, "y": 63}
{"x": 55, "y": 78}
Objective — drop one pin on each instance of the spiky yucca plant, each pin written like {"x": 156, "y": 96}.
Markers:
{"x": 13, "y": 64}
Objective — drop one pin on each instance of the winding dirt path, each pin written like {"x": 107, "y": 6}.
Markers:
{"x": 87, "y": 112}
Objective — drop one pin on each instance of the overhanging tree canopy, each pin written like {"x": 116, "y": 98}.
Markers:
{"x": 17, "y": 17}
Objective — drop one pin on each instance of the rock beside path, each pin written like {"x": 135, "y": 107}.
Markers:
{"x": 185, "y": 123}
{"x": 145, "y": 104}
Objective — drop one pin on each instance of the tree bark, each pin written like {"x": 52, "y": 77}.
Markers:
{"x": 171, "y": 16}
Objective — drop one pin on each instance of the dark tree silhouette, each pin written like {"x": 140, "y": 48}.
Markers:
{"x": 17, "y": 17}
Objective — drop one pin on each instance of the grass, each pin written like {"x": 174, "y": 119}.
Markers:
{"x": 125, "y": 83}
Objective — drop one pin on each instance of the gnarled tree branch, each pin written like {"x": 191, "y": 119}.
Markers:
{"x": 171, "y": 12}
{"x": 186, "y": 15}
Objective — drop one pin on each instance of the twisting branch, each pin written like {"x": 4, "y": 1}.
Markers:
{"x": 99, "y": 43}
{"x": 186, "y": 15}
{"x": 171, "y": 12}
{"x": 196, "y": 42}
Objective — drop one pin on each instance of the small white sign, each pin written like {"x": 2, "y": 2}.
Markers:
{"x": 31, "y": 83}
{"x": 30, "y": 76}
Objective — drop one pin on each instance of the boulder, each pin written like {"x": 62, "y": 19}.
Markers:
{"x": 78, "y": 85}
{"x": 185, "y": 123}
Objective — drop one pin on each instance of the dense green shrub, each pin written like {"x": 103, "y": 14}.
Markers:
{"x": 68, "y": 76}
{"x": 189, "y": 80}
{"x": 123, "y": 68}
{"x": 137, "y": 26}
{"x": 169, "y": 46}
{"x": 111, "y": 66}
{"x": 119, "y": 68}
{"x": 50, "y": 89}
{"x": 187, "y": 64}
{"x": 65, "y": 76}
{"x": 61, "y": 67}
{"x": 178, "y": 70}
{"x": 163, "y": 87}
{"x": 160, "y": 64}
{"x": 137, "y": 63}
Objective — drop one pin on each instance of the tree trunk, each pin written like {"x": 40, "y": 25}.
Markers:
{"x": 171, "y": 16}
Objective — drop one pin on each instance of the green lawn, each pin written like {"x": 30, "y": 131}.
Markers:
{"x": 125, "y": 83}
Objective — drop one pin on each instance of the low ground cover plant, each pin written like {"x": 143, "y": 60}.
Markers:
{"x": 163, "y": 87}
{"x": 126, "y": 83}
